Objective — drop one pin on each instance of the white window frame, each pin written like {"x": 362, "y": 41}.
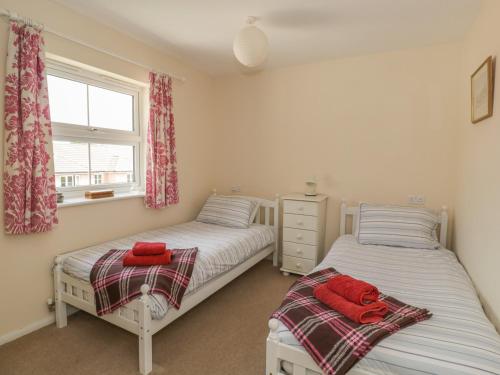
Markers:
{"x": 92, "y": 134}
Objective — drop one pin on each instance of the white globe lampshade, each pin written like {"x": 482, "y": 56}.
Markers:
{"x": 250, "y": 46}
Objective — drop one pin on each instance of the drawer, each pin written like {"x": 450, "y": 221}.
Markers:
{"x": 300, "y": 250}
{"x": 300, "y": 207}
{"x": 300, "y": 221}
{"x": 297, "y": 264}
{"x": 307, "y": 237}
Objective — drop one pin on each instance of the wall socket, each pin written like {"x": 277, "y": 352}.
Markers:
{"x": 416, "y": 199}
{"x": 51, "y": 304}
{"x": 235, "y": 189}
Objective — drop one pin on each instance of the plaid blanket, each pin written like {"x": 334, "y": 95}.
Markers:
{"x": 333, "y": 341}
{"x": 115, "y": 285}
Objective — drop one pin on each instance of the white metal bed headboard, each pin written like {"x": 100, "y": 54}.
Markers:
{"x": 353, "y": 211}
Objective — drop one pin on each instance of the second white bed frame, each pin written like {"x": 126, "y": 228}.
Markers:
{"x": 300, "y": 361}
{"x": 135, "y": 316}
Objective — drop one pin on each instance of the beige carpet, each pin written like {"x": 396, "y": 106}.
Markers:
{"x": 225, "y": 334}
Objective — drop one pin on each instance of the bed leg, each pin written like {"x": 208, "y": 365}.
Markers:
{"x": 145, "y": 336}
{"x": 273, "y": 365}
{"x": 276, "y": 230}
{"x": 275, "y": 257}
{"x": 60, "y": 306}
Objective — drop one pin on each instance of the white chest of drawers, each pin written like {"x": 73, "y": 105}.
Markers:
{"x": 303, "y": 232}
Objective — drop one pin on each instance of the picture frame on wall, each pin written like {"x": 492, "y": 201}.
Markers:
{"x": 482, "y": 92}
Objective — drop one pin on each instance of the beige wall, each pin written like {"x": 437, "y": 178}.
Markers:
{"x": 372, "y": 128}
{"x": 477, "y": 236}
{"x": 26, "y": 260}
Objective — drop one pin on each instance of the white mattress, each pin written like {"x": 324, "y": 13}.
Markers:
{"x": 219, "y": 250}
{"x": 458, "y": 339}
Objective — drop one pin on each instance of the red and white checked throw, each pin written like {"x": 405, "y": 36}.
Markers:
{"x": 335, "y": 342}
{"x": 115, "y": 285}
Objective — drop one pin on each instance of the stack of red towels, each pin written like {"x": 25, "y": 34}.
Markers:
{"x": 353, "y": 298}
{"x": 148, "y": 254}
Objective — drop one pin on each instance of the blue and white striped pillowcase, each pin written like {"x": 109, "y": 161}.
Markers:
{"x": 227, "y": 211}
{"x": 397, "y": 226}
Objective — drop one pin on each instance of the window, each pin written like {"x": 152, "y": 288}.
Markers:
{"x": 97, "y": 138}
{"x": 67, "y": 181}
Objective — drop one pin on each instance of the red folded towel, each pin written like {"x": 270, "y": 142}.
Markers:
{"x": 152, "y": 260}
{"x": 353, "y": 290}
{"x": 149, "y": 248}
{"x": 372, "y": 313}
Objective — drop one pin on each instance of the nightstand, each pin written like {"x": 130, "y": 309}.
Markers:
{"x": 304, "y": 219}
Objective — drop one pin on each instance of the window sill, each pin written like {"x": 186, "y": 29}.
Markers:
{"x": 81, "y": 201}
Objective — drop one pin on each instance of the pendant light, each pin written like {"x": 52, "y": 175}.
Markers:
{"x": 250, "y": 46}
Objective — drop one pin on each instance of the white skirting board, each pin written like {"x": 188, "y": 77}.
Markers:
{"x": 35, "y": 326}
{"x": 13, "y": 335}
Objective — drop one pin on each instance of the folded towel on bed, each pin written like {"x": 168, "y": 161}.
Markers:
{"x": 151, "y": 260}
{"x": 115, "y": 285}
{"x": 371, "y": 313}
{"x": 149, "y": 248}
{"x": 353, "y": 290}
{"x": 335, "y": 342}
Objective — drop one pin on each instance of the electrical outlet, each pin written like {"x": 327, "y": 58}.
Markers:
{"x": 235, "y": 189}
{"x": 416, "y": 199}
{"x": 51, "y": 304}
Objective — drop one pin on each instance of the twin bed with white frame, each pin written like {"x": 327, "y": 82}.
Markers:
{"x": 136, "y": 316}
{"x": 458, "y": 339}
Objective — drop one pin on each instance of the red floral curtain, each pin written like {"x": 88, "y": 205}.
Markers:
{"x": 161, "y": 174}
{"x": 28, "y": 177}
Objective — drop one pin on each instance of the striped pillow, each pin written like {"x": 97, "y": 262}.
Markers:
{"x": 227, "y": 211}
{"x": 397, "y": 226}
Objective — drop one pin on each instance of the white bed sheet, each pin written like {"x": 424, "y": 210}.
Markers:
{"x": 219, "y": 250}
{"x": 458, "y": 339}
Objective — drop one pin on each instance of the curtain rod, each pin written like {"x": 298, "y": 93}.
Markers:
{"x": 29, "y": 21}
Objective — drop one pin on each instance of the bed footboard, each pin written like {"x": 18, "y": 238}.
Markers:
{"x": 277, "y": 352}
{"x": 298, "y": 361}
{"x": 134, "y": 317}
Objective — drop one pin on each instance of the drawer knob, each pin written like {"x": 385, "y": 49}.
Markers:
{"x": 301, "y": 208}
{"x": 299, "y": 265}
{"x": 300, "y": 222}
{"x": 299, "y": 251}
{"x": 299, "y": 236}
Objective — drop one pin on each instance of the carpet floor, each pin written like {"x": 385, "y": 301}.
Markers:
{"x": 225, "y": 334}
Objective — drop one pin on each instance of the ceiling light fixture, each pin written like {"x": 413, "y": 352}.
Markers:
{"x": 250, "y": 46}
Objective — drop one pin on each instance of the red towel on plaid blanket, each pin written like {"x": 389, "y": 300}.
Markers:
{"x": 334, "y": 341}
{"x": 149, "y": 248}
{"x": 354, "y": 290}
{"x": 371, "y": 313}
{"x": 115, "y": 285}
{"x": 147, "y": 260}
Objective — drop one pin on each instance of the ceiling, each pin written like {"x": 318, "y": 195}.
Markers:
{"x": 299, "y": 31}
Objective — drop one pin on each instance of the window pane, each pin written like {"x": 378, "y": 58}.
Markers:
{"x": 68, "y": 101}
{"x": 71, "y": 162}
{"x": 111, "y": 163}
{"x": 110, "y": 109}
